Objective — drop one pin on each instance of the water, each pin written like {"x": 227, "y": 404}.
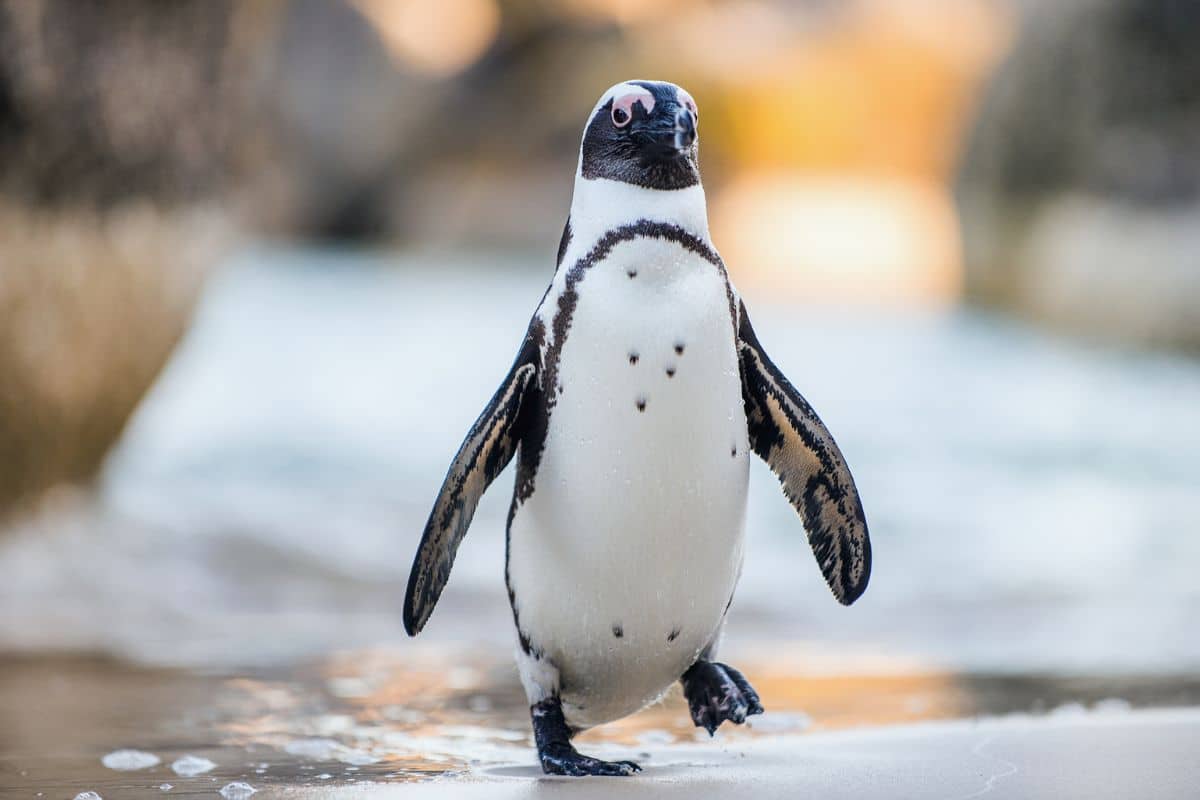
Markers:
{"x": 1033, "y": 501}
{"x": 328, "y": 750}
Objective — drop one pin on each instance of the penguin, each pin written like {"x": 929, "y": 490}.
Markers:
{"x": 632, "y": 408}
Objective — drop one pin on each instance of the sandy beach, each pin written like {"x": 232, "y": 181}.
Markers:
{"x": 436, "y": 720}
{"x": 1102, "y": 757}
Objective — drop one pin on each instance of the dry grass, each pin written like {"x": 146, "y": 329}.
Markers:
{"x": 91, "y": 307}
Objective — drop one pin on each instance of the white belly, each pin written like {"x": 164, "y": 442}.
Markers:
{"x": 637, "y": 517}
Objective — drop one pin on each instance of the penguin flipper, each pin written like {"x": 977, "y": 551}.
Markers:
{"x": 489, "y": 446}
{"x": 787, "y": 434}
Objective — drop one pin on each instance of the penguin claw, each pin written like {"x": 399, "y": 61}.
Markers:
{"x": 563, "y": 759}
{"x": 718, "y": 693}
{"x": 753, "y": 704}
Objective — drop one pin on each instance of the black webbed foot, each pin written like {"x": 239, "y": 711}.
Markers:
{"x": 717, "y": 693}
{"x": 560, "y": 758}
{"x": 555, "y": 751}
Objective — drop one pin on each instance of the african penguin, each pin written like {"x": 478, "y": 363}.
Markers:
{"x": 637, "y": 396}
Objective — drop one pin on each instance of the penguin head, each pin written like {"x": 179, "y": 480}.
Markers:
{"x": 643, "y": 133}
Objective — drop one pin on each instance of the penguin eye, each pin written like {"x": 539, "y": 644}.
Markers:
{"x": 622, "y": 106}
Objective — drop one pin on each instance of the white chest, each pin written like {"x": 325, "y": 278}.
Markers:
{"x": 624, "y": 558}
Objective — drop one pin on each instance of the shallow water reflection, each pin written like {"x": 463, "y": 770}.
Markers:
{"x": 396, "y": 716}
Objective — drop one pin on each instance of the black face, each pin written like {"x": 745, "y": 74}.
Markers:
{"x": 649, "y": 141}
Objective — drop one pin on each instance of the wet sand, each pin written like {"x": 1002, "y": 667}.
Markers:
{"x": 1140, "y": 754}
{"x": 447, "y": 720}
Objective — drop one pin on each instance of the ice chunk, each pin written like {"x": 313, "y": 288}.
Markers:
{"x": 129, "y": 760}
{"x": 238, "y": 790}
{"x": 88, "y": 796}
{"x": 190, "y": 765}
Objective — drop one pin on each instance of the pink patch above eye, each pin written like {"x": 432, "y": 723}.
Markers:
{"x": 625, "y": 103}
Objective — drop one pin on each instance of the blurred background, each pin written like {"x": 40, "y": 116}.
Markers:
{"x": 262, "y": 263}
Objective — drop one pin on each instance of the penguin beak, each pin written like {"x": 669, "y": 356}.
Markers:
{"x": 668, "y": 138}
{"x": 685, "y": 129}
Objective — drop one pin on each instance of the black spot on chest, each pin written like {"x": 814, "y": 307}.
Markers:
{"x": 542, "y": 402}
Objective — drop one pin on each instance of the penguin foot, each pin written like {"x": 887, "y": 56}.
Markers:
{"x": 558, "y": 756}
{"x": 717, "y": 693}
